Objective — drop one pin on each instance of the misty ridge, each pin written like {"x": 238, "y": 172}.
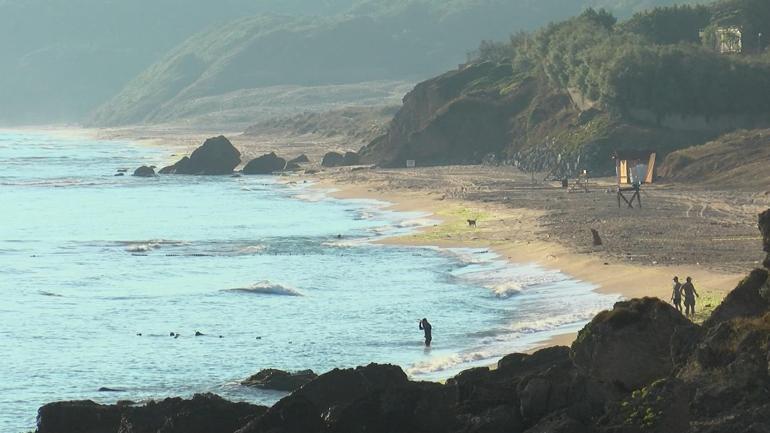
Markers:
{"x": 115, "y": 62}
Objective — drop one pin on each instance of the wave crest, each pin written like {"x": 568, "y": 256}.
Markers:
{"x": 267, "y": 288}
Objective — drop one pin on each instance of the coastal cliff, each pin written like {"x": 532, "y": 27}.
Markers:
{"x": 638, "y": 367}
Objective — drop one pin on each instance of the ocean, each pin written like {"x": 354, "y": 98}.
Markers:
{"x": 98, "y": 271}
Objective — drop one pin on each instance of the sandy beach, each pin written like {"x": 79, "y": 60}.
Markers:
{"x": 549, "y": 226}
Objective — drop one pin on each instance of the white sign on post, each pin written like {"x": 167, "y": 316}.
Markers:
{"x": 410, "y": 163}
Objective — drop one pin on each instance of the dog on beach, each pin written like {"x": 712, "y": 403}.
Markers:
{"x": 472, "y": 223}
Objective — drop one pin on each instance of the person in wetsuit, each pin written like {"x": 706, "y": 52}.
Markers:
{"x": 676, "y": 295}
{"x": 426, "y": 326}
{"x": 689, "y": 297}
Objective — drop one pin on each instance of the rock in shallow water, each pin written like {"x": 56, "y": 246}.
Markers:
{"x": 144, "y": 171}
{"x": 216, "y": 156}
{"x": 280, "y": 380}
{"x": 265, "y": 164}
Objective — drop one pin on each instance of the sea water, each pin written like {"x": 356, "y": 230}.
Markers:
{"x": 98, "y": 271}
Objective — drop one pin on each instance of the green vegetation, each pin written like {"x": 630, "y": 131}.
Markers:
{"x": 655, "y": 61}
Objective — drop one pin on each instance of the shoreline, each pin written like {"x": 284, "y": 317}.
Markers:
{"x": 625, "y": 280}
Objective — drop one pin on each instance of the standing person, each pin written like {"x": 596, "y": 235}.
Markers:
{"x": 689, "y": 297}
{"x": 676, "y": 295}
{"x": 425, "y": 326}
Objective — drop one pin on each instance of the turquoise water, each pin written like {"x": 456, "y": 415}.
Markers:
{"x": 88, "y": 261}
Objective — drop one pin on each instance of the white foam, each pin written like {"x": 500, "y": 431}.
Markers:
{"x": 444, "y": 363}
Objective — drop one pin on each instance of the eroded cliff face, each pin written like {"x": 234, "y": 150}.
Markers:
{"x": 449, "y": 119}
{"x": 465, "y": 115}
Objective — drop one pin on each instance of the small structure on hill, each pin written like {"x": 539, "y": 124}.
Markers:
{"x": 729, "y": 40}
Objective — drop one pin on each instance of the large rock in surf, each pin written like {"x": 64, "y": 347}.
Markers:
{"x": 265, "y": 164}
{"x": 144, "y": 171}
{"x": 280, "y": 380}
{"x": 630, "y": 345}
{"x": 204, "y": 413}
{"x": 216, "y": 156}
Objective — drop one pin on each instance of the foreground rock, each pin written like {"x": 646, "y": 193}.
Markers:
{"x": 280, "y": 380}
{"x": 630, "y": 346}
{"x": 265, "y": 164}
{"x": 204, "y": 413}
{"x": 144, "y": 171}
{"x": 217, "y": 156}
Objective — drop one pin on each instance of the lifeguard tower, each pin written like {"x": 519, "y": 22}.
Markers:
{"x": 633, "y": 168}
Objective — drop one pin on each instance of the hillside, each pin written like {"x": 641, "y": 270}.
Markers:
{"x": 737, "y": 160}
{"x": 564, "y": 97}
{"x": 374, "y": 40}
{"x": 358, "y": 125}
{"x": 62, "y": 58}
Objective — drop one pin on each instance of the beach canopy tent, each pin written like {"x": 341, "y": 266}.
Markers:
{"x": 634, "y": 167}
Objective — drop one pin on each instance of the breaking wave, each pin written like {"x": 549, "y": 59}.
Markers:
{"x": 267, "y": 288}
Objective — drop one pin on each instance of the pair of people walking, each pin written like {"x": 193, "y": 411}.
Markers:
{"x": 688, "y": 290}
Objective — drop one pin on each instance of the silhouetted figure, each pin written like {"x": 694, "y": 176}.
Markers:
{"x": 425, "y": 326}
{"x": 676, "y": 295}
{"x": 689, "y": 297}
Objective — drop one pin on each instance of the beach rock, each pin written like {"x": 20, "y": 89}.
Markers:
{"x": 408, "y": 407}
{"x": 730, "y": 370}
{"x": 119, "y": 174}
{"x": 280, "y": 380}
{"x": 144, "y": 171}
{"x": 292, "y": 166}
{"x": 302, "y": 159}
{"x": 663, "y": 406}
{"x": 333, "y": 159}
{"x": 293, "y": 414}
{"x": 748, "y": 299}
{"x": 216, "y": 156}
{"x": 78, "y": 417}
{"x": 265, "y": 164}
{"x": 351, "y": 158}
{"x": 343, "y": 386}
{"x": 559, "y": 422}
{"x": 204, "y": 413}
{"x": 629, "y": 346}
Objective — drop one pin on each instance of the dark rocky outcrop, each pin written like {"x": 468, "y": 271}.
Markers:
{"x": 333, "y": 159}
{"x": 351, "y": 158}
{"x": 216, "y": 156}
{"x": 302, "y": 159}
{"x": 629, "y": 346}
{"x": 265, "y": 164}
{"x": 336, "y": 159}
{"x": 144, "y": 171}
{"x": 280, "y": 380}
{"x": 204, "y": 413}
